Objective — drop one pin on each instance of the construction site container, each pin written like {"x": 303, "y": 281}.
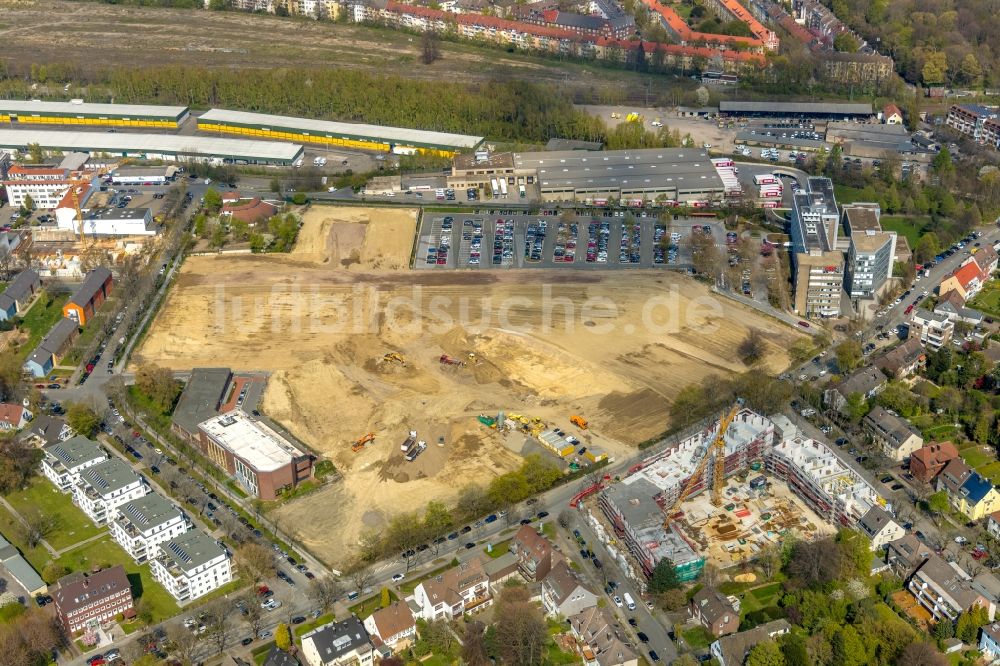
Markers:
{"x": 595, "y": 455}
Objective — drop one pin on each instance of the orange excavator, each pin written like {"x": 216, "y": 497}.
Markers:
{"x": 361, "y": 441}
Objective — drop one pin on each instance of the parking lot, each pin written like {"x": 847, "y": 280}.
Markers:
{"x": 510, "y": 239}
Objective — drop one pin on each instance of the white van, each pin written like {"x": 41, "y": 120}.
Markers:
{"x": 629, "y": 601}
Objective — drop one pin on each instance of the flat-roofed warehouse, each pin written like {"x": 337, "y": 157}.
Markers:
{"x": 330, "y": 133}
{"x": 28, "y": 112}
{"x": 169, "y": 147}
{"x": 818, "y": 110}
{"x": 652, "y": 174}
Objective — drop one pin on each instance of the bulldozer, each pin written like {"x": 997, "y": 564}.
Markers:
{"x": 362, "y": 441}
{"x": 393, "y": 357}
{"x": 578, "y": 421}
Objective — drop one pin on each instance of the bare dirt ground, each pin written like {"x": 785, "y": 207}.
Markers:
{"x": 615, "y": 347}
{"x": 93, "y": 35}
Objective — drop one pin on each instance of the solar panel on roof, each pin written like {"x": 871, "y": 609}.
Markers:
{"x": 180, "y": 552}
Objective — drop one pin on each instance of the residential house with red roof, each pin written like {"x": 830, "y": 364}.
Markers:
{"x": 928, "y": 461}
{"x": 13, "y": 416}
{"x": 891, "y": 115}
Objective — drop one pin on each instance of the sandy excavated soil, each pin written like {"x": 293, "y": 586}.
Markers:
{"x": 613, "y": 346}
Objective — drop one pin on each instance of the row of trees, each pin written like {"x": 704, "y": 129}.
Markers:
{"x": 406, "y": 531}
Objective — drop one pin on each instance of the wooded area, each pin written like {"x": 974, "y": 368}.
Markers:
{"x": 934, "y": 42}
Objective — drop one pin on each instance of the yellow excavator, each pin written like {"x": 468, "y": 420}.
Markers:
{"x": 716, "y": 451}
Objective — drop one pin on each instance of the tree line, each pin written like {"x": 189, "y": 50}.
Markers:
{"x": 408, "y": 530}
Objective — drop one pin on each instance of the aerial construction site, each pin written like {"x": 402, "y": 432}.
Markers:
{"x": 727, "y": 490}
{"x": 358, "y": 344}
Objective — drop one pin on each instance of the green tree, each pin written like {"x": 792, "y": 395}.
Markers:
{"x": 938, "y": 502}
{"x": 35, "y": 153}
{"x": 943, "y": 630}
{"x": 927, "y": 247}
{"x": 969, "y": 622}
{"x": 846, "y": 43}
{"x": 935, "y": 68}
{"x": 849, "y": 355}
{"x": 299, "y": 198}
{"x": 257, "y": 242}
{"x": 539, "y": 472}
{"x": 942, "y": 164}
{"x": 664, "y": 577}
{"x": 507, "y": 489}
{"x": 793, "y": 647}
{"x": 847, "y": 648}
{"x": 201, "y": 225}
{"x": 857, "y": 407}
{"x": 437, "y": 519}
{"x": 970, "y": 69}
{"x": 213, "y": 200}
{"x": 282, "y": 637}
{"x": 766, "y": 653}
{"x": 218, "y": 235}
{"x": 82, "y": 419}
{"x": 29, "y": 203}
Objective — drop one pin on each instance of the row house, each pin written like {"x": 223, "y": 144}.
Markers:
{"x": 20, "y": 292}
{"x": 191, "y": 565}
{"x": 460, "y": 590}
{"x": 63, "y": 461}
{"x": 143, "y": 524}
{"x": 103, "y": 488}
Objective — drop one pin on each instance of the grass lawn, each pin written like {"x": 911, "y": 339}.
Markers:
{"x": 991, "y": 471}
{"x": 988, "y": 300}
{"x": 72, "y": 526}
{"x": 698, "y": 637}
{"x": 105, "y": 552}
{"x": 318, "y": 622}
{"x": 940, "y": 432}
{"x": 908, "y": 227}
{"x": 974, "y": 457}
{"x": 499, "y": 549}
{"x": 439, "y": 660}
{"x": 760, "y": 597}
{"x": 11, "y": 530}
{"x": 365, "y": 608}
{"x": 39, "y": 319}
{"x": 845, "y": 194}
{"x": 557, "y": 657}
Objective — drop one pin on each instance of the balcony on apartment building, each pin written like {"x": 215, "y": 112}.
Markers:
{"x": 932, "y": 602}
{"x": 471, "y": 605}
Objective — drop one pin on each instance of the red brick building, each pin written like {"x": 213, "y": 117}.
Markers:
{"x": 81, "y": 599}
{"x": 928, "y": 461}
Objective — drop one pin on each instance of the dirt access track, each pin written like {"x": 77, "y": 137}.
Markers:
{"x": 613, "y": 346}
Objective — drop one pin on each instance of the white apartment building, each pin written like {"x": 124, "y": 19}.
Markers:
{"x": 142, "y": 524}
{"x": 106, "y": 486}
{"x": 191, "y": 565}
{"x": 932, "y": 329}
{"x": 63, "y": 461}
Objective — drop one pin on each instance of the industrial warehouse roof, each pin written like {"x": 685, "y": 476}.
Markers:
{"x": 324, "y": 128}
{"x": 73, "y": 109}
{"x": 832, "y": 109}
{"x": 172, "y": 144}
{"x": 680, "y": 168}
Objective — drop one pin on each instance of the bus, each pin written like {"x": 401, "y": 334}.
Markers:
{"x": 494, "y": 187}
{"x": 503, "y": 187}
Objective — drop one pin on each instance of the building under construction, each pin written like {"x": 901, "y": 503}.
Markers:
{"x": 817, "y": 475}
{"x": 636, "y": 506}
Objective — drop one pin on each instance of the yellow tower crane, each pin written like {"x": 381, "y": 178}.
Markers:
{"x": 717, "y": 449}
